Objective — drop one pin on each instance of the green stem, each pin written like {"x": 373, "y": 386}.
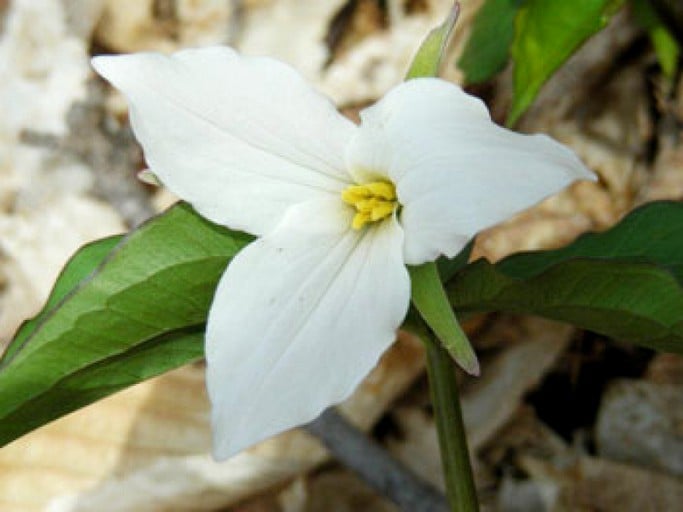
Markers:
{"x": 462, "y": 494}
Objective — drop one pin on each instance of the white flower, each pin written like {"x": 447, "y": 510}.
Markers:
{"x": 304, "y": 312}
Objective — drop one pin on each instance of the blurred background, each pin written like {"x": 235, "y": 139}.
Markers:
{"x": 561, "y": 420}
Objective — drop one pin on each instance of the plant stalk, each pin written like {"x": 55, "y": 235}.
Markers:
{"x": 460, "y": 489}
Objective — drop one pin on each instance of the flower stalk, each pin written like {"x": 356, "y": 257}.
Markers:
{"x": 445, "y": 343}
{"x": 457, "y": 470}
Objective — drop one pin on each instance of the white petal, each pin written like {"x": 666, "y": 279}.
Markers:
{"x": 240, "y": 138}
{"x": 298, "y": 319}
{"x": 456, "y": 172}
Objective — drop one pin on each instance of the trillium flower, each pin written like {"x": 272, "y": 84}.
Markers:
{"x": 303, "y": 313}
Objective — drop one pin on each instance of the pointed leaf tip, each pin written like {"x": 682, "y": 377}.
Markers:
{"x": 470, "y": 364}
{"x": 428, "y": 57}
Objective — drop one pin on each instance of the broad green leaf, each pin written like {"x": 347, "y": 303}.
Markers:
{"x": 141, "y": 313}
{"x": 430, "y": 300}
{"x": 428, "y": 57}
{"x": 449, "y": 267}
{"x": 547, "y": 32}
{"x": 80, "y": 266}
{"x": 626, "y": 283}
{"x": 666, "y": 47}
{"x": 488, "y": 47}
{"x": 98, "y": 380}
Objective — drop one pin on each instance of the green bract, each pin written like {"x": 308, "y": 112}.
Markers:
{"x": 626, "y": 283}
{"x": 141, "y": 313}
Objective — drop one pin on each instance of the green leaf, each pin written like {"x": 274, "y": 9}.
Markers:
{"x": 626, "y": 283}
{"x": 81, "y": 265}
{"x": 547, "y": 32}
{"x": 430, "y": 300}
{"x": 98, "y": 380}
{"x": 141, "y": 313}
{"x": 427, "y": 60}
{"x": 488, "y": 47}
{"x": 449, "y": 267}
{"x": 666, "y": 47}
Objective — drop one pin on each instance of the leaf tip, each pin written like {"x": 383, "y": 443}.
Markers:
{"x": 470, "y": 364}
{"x": 452, "y": 16}
{"x": 427, "y": 60}
{"x": 148, "y": 177}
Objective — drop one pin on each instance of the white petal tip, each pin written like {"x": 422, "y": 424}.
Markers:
{"x": 221, "y": 456}
{"x": 579, "y": 171}
{"x": 100, "y": 63}
{"x": 119, "y": 69}
{"x": 590, "y": 176}
{"x": 222, "y": 448}
{"x": 108, "y": 67}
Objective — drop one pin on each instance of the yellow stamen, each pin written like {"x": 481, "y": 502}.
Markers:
{"x": 359, "y": 220}
{"x": 373, "y": 201}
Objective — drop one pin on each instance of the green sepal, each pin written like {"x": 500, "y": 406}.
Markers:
{"x": 428, "y": 58}
{"x": 431, "y": 301}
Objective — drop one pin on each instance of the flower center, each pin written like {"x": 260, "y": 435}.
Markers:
{"x": 373, "y": 201}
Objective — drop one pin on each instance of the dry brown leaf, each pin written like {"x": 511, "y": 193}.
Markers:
{"x": 151, "y": 25}
{"x": 333, "y": 491}
{"x": 666, "y": 178}
{"x": 45, "y": 212}
{"x": 29, "y": 268}
{"x": 378, "y": 62}
{"x": 589, "y": 484}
